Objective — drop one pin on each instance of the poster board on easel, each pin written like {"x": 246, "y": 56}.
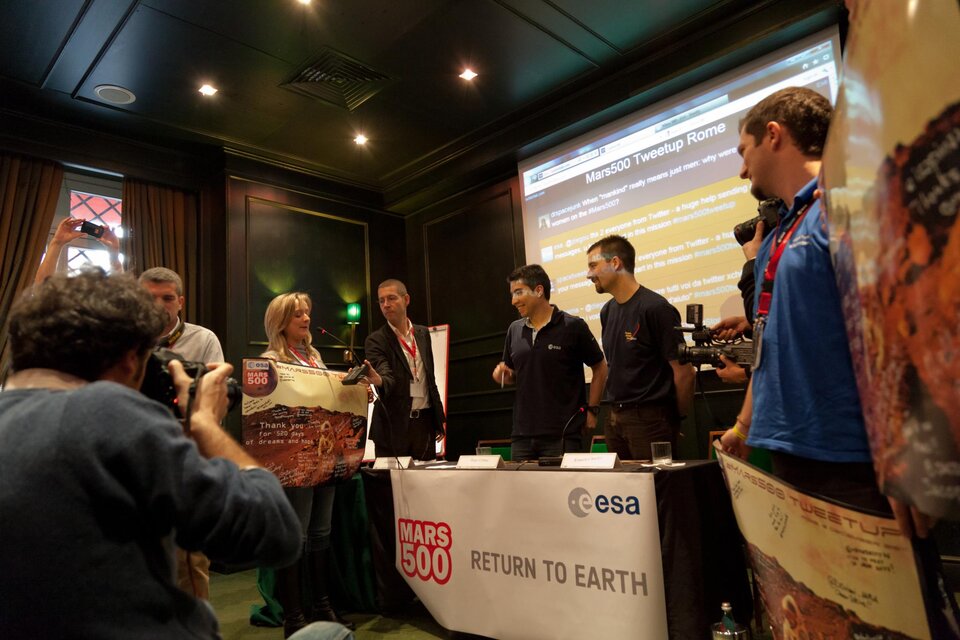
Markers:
{"x": 440, "y": 343}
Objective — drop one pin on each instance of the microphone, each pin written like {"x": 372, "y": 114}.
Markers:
{"x": 554, "y": 461}
{"x": 354, "y": 375}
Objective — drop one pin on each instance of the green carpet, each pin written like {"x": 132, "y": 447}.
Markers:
{"x": 232, "y": 594}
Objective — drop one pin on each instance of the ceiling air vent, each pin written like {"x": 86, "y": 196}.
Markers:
{"x": 338, "y": 79}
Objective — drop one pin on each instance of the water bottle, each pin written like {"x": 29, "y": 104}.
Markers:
{"x": 728, "y": 628}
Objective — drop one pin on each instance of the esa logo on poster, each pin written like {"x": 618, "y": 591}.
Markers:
{"x": 581, "y": 503}
{"x": 425, "y": 549}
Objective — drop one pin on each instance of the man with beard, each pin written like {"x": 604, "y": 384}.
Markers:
{"x": 649, "y": 390}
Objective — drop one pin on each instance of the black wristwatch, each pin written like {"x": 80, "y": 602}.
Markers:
{"x": 594, "y": 409}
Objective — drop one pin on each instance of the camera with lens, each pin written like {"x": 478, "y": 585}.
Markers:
{"x": 158, "y": 383}
{"x": 769, "y": 212}
{"x": 706, "y": 350}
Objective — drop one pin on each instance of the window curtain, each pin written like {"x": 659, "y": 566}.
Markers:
{"x": 160, "y": 225}
{"x": 29, "y": 190}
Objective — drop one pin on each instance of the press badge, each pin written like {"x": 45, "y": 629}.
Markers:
{"x": 758, "y": 326}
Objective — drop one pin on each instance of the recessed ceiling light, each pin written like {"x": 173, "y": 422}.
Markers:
{"x": 208, "y": 90}
{"x": 113, "y": 94}
{"x": 304, "y": 1}
{"x": 360, "y": 139}
{"x": 468, "y": 74}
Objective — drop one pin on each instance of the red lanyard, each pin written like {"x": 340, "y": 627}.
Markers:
{"x": 410, "y": 349}
{"x": 766, "y": 289}
{"x": 311, "y": 362}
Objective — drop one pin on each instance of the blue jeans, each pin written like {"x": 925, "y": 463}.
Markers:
{"x": 314, "y": 507}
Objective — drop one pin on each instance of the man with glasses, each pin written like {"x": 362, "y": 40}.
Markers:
{"x": 409, "y": 417}
{"x": 544, "y": 355}
{"x": 649, "y": 389}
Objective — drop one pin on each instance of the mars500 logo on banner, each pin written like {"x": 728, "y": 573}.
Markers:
{"x": 425, "y": 549}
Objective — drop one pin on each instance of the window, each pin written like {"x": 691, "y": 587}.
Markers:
{"x": 97, "y": 200}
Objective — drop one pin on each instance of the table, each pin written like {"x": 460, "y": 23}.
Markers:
{"x": 700, "y": 545}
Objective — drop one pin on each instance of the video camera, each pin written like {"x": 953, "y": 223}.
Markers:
{"x": 158, "y": 383}
{"x": 706, "y": 350}
{"x": 769, "y": 211}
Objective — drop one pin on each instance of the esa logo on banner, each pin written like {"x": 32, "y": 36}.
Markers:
{"x": 581, "y": 503}
{"x": 425, "y": 549}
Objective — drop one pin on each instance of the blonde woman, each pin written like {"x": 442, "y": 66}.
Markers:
{"x": 287, "y": 324}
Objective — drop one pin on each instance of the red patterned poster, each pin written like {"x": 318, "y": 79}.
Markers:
{"x": 892, "y": 186}
{"x": 301, "y": 423}
{"x": 825, "y": 571}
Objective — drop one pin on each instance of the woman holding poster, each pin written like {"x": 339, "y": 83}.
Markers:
{"x": 287, "y": 325}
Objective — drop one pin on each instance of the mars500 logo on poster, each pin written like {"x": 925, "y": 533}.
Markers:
{"x": 425, "y": 549}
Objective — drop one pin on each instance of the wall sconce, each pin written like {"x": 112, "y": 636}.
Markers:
{"x": 353, "y": 319}
{"x": 353, "y": 313}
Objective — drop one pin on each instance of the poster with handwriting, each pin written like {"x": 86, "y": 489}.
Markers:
{"x": 301, "y": 423}
{"x": 825, "y": 571}
{"x": 891, "y": 177}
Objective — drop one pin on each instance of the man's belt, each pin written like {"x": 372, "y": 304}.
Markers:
{"x": 417, "y": 414}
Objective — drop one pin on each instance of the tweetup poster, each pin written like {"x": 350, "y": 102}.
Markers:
{"x": 301, "y": 424}
{"x": 891, "y": 179}
{"x": 825, "y": 571}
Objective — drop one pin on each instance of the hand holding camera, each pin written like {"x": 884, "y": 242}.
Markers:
{"x": 209, "y": 392}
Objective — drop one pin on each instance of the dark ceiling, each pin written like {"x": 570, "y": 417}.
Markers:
{"x": 530, "y": 56}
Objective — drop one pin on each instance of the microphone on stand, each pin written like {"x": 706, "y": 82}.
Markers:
{"x": 354, "y": 375}
{"x": 554, "y": 461}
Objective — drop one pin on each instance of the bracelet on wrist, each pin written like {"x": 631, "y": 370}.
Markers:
{"x": 737, "y": 432}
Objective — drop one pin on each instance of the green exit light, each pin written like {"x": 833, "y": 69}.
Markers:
{"x": 353, "y": 313}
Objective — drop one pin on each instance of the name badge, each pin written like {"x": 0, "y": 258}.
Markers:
{"x": 758, "y": 326}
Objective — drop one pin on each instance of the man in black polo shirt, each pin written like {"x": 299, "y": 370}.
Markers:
{"x": 648, "y": 388}
{"x": 544, "y": 355}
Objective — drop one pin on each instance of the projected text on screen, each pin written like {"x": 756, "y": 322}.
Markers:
{"x": 667, "y": 180}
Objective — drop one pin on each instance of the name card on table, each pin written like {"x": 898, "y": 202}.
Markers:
{"x": 391, "y": 462}
{"x": 480, "y": 462}
{"x": 590, "y": 461}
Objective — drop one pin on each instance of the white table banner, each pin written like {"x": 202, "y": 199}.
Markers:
{"x": 533, "y": 555}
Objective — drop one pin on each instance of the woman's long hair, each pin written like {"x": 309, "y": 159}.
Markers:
{"x": 275, "y": 320}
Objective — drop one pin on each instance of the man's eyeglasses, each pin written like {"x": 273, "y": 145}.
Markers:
{"x": 519, "y": 293}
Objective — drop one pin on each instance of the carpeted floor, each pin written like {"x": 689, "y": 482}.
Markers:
{"x": 232, "y": 594}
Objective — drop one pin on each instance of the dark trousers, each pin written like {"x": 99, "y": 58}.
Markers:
{"x": 422, "y": 437}
{"x": 534, "y": 447}
{"x": 851, "y": 483}
{"x": 631, "y": 428}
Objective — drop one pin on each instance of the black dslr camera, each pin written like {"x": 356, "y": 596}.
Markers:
{"x": 706, "y": 350}
{"x": 158, "y": 384}
{"x": 769, "y": 211}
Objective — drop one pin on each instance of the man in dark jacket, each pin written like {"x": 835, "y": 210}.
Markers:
{"x": 409, "y": 417}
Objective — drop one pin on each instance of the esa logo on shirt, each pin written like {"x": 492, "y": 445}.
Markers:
{"x": 631, "y": 336}
{"x": 552, "y": 347}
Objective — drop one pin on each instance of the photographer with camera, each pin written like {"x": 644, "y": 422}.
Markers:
{"x": 196, "y": 344}
{"x": 95, "y": 478}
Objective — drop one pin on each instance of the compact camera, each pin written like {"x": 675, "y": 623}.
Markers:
{"x": 91, "y": 229}
{"x": 706, "y": 350}
{"x": 769, "y": 212}
{"x": 158, "y": 383}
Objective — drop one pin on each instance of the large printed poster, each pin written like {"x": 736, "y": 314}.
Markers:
{"x": 892, "y": 185}
{"x": 302, "y": 424}
{"x": 825, "y": 571}
{"x": 533, "y": 556}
